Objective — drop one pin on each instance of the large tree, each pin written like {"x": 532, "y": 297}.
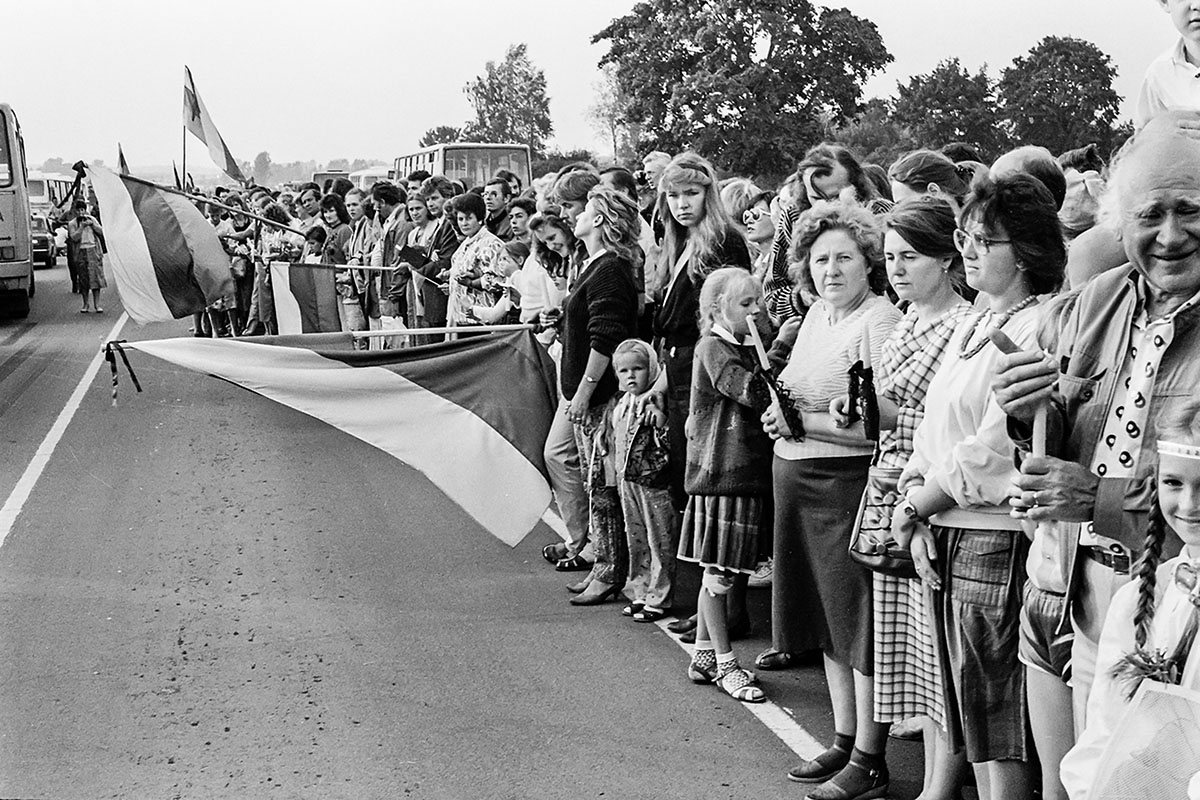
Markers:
{"x": 608, "y": 117}
{"x": 1060, "y": 95}
{"x": 442, "y": 134}
{"x": 744, "y": 82}
{"x": 874, "y": 135}
{"x": 951, "y": 105}
{"x": 510, "y": 102}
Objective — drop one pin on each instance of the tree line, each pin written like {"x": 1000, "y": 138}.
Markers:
{"x": 751, "y": 84}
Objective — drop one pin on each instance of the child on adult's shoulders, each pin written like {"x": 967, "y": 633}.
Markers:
{"x": 1172, "y": 80}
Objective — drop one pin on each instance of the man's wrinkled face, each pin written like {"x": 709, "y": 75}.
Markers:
{"x": 1160, "y": 211}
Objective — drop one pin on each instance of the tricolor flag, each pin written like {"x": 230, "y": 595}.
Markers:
{"x": 122, "y": 164}
{"x": 471, "y": 415}
{"x": 306, "y": 299}
{"x": 197, "y": 120}
{"x": 165, "y": 256}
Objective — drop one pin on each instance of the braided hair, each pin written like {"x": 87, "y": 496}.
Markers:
{"x": 1181, "y": 423}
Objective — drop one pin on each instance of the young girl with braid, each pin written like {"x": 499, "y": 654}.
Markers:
{"x": 1151, "y": 624}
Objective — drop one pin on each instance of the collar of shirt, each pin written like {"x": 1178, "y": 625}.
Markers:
{"x": 1179, "y": 57}
{"x": 588, "y": 261}
{"x": 1141, "y": 318}
{"x": 721, "y": 332}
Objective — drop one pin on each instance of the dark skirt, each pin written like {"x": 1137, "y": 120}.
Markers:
{"x": 819, "y": 597}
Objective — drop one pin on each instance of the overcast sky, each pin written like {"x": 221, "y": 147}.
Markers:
{"x": 365, "y": 78}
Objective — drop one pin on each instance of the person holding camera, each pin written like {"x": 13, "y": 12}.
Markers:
{"x": 86, "y": 235}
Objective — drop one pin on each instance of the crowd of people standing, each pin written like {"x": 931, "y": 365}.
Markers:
{"x": 1035, "y": 487}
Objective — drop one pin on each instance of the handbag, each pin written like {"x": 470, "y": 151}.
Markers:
{"x": 871, "y": 543}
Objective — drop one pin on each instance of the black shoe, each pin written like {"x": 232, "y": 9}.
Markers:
{"x": 864, "y": 778}
{"x": 683, "y": 625}
{"x": 821, "y": 768}
{"x": 573, "y": 564}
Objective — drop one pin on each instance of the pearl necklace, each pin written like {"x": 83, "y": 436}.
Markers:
{"x": 964, "y": 353}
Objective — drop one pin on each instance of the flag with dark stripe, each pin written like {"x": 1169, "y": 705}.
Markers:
{"x": 164, "y": 255}
{"x": 471, "y": 415}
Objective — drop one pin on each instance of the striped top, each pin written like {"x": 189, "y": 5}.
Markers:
{"x": 907, "y": 363}
{"x": 820, "y": 364}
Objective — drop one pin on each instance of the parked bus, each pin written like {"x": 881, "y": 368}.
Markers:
{"x": 366, "y": 178}
{"x": 325, "y": 179}
{"x": 16, "y": 246}
{"x": 48, "y": 192}
{"x": 473, "y": 163}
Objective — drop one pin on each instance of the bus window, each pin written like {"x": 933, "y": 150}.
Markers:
{"x": 6, "y": 170}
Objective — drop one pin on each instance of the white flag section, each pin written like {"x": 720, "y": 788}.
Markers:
{"x": 287, "y": 310}
{"x": 476, "y": 467}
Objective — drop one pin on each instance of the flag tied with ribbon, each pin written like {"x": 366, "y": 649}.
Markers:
{"x": 471, "y": 415}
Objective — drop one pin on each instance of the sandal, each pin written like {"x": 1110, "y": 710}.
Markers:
{"x": 576, "y": 563}
{"x": 773, "y": 659}
{"x": 553, "y": 552}
{"x": 649, "y": 614}
{"x": 738, "y": 684}
{"x": 632, "y": 610}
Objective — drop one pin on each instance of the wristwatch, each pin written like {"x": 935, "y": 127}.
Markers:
{"x": 909, "y": 510}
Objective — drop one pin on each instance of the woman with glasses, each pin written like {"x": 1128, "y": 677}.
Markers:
{"x": 955, "y": 512}
{"x": 759, "y": 223}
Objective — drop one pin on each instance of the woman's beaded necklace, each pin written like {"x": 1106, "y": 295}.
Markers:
{"x": 964, "y": 353}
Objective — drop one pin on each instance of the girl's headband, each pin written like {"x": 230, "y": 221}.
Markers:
{"x": 1178, "y": 449}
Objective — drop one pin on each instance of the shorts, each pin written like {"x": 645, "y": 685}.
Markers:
{"x": 1041, "y": 648}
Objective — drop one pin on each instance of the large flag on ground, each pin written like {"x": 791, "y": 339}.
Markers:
{"x": 471, "y": 415}
{"x": 306, "y": 299}
{"x": 165, "y": 256}
{"x": 197, "y": 120}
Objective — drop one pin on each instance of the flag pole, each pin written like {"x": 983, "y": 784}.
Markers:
{"x": 447, "y": 329}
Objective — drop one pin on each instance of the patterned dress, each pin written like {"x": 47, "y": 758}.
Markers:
{"x": 480, "y": 257}
{"x": 908, "y": 681}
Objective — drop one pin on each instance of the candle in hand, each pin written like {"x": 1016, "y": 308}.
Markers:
{"x": 864, "y": 351}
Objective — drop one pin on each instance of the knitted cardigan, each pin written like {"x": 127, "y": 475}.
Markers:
{"x": 728, "y": 452}
{"x": 599, "y": 313}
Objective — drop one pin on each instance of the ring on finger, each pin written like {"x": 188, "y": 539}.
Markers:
{"x": 1033, "y": 500}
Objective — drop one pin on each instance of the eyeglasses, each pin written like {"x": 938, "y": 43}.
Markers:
{"x": 752, "y": 215}
{"x": 982, "y": 243}
{"x": 1187, "y": 579}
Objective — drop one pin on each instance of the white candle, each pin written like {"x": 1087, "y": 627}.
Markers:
{"x": 864, "y": 351}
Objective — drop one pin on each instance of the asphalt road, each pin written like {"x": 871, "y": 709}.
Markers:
{"x": 210, "y": 595}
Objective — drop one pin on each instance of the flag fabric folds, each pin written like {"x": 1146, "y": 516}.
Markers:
{"x": 306, "y": 299}
{"x": 197, "y": 120}
{"x": 165, "y": 256}
{"x": 471, "y": 415}
{"x": 122, "y": 164}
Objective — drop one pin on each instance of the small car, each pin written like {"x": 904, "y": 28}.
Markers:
{"x": 45, "y": 249}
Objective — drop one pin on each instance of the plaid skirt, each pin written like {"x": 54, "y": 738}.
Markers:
{"x": 722, "y": 531}
{"x": 908, "y": 677}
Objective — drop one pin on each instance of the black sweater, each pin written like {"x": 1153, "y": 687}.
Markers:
{"x": 677, "y": 322}
{"x": 599, "y": 313}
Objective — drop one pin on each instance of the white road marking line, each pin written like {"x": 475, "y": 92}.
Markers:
{"x": 778, "y": 721}
{"x": 20, "y": 493}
